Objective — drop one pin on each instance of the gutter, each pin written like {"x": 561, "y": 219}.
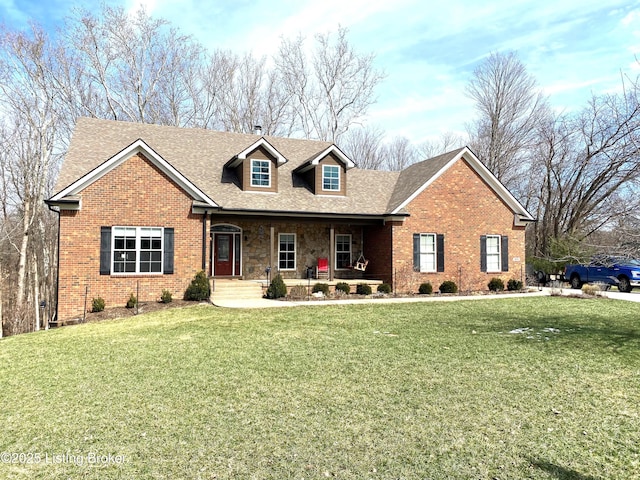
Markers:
{"x": 294, "y": 214}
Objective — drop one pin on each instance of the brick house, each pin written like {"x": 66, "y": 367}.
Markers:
{"x": 146, "y": 207}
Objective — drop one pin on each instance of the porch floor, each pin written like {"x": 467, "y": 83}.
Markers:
{"x": 292, "y": 282}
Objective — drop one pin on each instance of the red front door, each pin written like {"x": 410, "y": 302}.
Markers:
{"x": 223, "y": 254}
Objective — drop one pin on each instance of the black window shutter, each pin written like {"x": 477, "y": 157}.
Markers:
{"x": 105, "y": 250}
{"x": 440, "y": 252}
{"x": 504, "y": 250}
{"x": 416, "y": 252}
{"x": 483, "y": 253}
{"x": 168, "y": 251}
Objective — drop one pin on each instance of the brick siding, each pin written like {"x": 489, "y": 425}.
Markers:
{"x": 460, "y": 205}
{"x": 135, "y": 193}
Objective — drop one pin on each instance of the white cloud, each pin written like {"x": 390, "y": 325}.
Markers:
{"x": 631, "y": 19}
{"x": 134, "y": 6}
{"x": 573, "y": 47}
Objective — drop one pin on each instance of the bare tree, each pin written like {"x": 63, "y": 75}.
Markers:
{"x": 364, "y": 146}
{"x": 399, "y": 154}
{"x": 447, "y": 142}
{"x": 128, "y": 67}
{"x": 28, "y": 105}
{"x": 252, "y": 95}
{"x": 509, "y": 108}
{"x": 590, "y": 166}
{"x": 332, "y": 90}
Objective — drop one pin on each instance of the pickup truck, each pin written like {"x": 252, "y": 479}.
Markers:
{"x": 623, "y": 273}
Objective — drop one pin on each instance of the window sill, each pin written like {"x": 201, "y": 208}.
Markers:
{"x": 142, "y": 274}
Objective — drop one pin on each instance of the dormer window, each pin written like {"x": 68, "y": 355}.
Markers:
{"x": 260, "y": 173}
{"x": 331, "y": 178}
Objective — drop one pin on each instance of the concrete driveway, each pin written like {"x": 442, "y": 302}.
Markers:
{"x": 633, "y": 296}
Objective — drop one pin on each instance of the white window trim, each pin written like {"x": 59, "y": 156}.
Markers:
{"x": 295, "y": 252}
{"x": 433, "y": 268}
{"x": 350, "y": 251}
{"x": 253, "y": 160}
{"x": 137, "y": 250}
{"x": 323, "y": 177}
{"x": 499, "y": 254}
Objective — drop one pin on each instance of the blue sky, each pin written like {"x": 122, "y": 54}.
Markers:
{"x": 428, "y": 49}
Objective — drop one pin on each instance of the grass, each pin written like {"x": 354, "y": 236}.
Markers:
{"x": 409, "y": 391}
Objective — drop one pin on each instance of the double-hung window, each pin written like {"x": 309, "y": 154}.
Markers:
{"x": 331, "y": 178}
{"x": 260, "y": 173}
{"x": 287, "y": 251}
{"x": 343, "y": 251}
{"x": 494, "y": 253}
{"x": 137, "y": 249}
{"x": 428, "y": 252}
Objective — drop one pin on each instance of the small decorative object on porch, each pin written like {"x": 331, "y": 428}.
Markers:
{"x": 361, "y": 263}
{"x": 322, "y": 270}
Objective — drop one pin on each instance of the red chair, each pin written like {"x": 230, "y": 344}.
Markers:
{"x": 322, "y": 270}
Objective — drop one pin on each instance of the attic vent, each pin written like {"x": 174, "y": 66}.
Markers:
{"x": 257, "y": 129}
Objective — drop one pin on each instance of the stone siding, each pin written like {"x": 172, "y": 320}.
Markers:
{"x": 312, "y": 242}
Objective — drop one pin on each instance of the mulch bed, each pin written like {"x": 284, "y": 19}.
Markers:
{"x": 123, "y": 312}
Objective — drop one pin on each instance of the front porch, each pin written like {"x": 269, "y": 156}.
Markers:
{"x": 249, "y": 248}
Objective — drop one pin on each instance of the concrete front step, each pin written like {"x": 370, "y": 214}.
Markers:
{"x": 224, "y": 290}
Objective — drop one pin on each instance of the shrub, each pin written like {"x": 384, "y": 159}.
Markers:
{"x": 384, "y": 288}
{"x": 590, "y": 289}
{"x": 425, "y": 289}
{"x": 97, "y": 304}
{"x": 514, "y": 284}
{"x": 448, "y": 286}
{"x": 298, "y": 291}
{"x": 133, "y": 301}
{"x": 343, "y": 287}
{"x": 277, "y": 289}
{"x": 363, "y": 289}
{"x": 496, "y": 284}
{"x": 166, "y": 296}
{"x": 321, "y": 287}
{"x": 199, "y": 289}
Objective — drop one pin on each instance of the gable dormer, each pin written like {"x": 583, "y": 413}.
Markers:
{"x": 326, "y": 173}
{"x": 256, "y": 167}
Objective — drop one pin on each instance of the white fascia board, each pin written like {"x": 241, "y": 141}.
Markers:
{"x": 139, "y": 146}
{"x": 348, "y": 163}
{"x": 262, "y": 142}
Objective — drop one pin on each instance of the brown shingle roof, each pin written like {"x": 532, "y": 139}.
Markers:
{"x": 200, "y": 155}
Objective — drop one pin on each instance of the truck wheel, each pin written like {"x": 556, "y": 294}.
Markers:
{"x": 624, "y": 285}
{"x": 575, "y": 282}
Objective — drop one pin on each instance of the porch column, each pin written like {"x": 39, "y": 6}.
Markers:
{"x": 332, "y": 247}
{"x": 272, "y": 241}
{"x": 204, "y": 240}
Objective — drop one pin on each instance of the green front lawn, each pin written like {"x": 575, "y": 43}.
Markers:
{"x": 407, "y": 391}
